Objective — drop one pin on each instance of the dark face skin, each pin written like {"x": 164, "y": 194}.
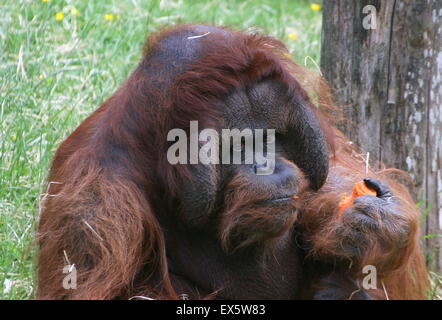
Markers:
{"x": 262, "y": 106}
{"x": 207, "y": 207}
{"x": 234, "y": 225}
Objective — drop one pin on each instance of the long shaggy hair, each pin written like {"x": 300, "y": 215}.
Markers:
{"x": 110, "y": 180}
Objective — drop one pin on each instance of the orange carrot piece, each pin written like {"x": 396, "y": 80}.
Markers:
{"x": 360, "y": 189}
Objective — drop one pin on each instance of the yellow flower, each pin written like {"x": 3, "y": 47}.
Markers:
{"x": 41, "y": 77}
{"x": 59, "y": 16}
{"x": 109, "y": 17}
{"x": 74, "y": 11}
{"x": 45, "y": 0}
{"x": 293, "y": 36}
{"x": 315, "y": 7}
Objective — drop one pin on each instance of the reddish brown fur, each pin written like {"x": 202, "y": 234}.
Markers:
{"x": 267, "y": 224}
{"x": 401, "y": 270}
{"x": 101, "y": 215}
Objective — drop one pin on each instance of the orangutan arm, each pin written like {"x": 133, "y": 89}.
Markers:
{"x": 380, "y": 231}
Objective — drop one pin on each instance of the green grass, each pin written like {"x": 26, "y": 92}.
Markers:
{"x": 53, "y": 74}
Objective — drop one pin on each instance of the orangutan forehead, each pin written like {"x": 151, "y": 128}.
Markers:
{"x": 264, "y": 105}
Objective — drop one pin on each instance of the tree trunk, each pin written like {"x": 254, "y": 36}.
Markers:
{"x": 389, "y": 80}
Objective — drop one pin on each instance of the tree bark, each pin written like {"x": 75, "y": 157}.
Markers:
{"x": 389, "y": 81}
